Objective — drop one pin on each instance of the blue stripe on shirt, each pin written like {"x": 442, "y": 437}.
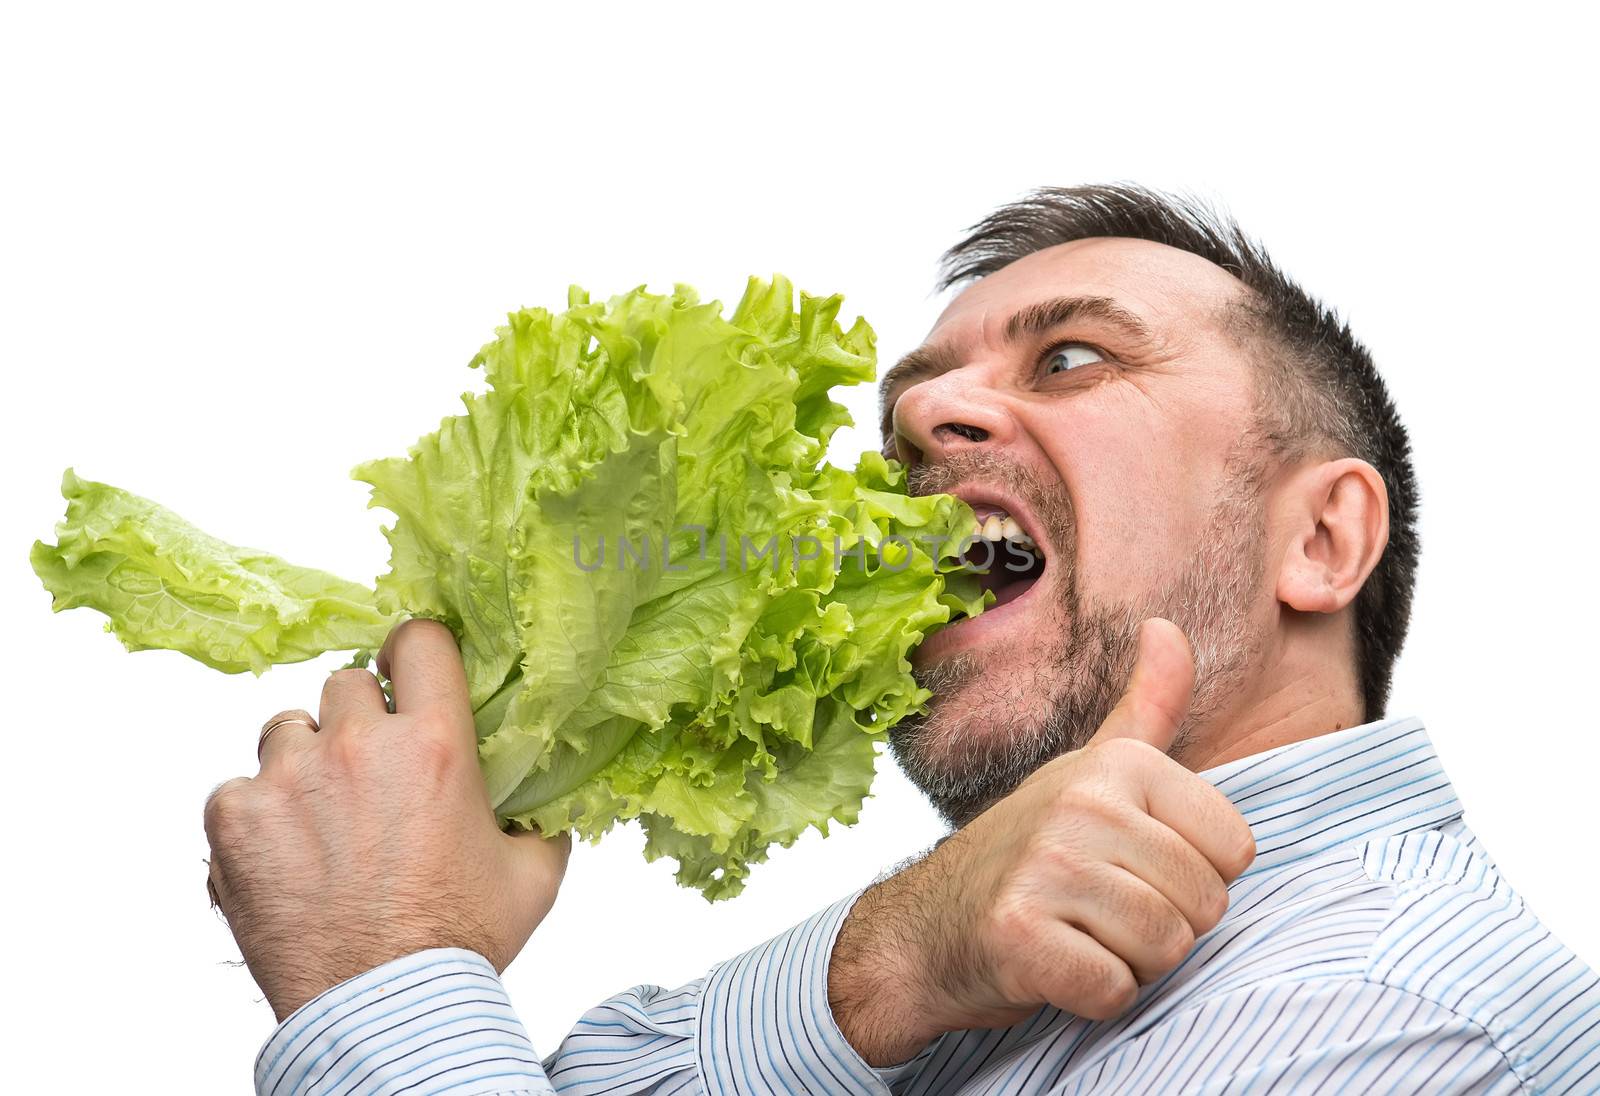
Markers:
{"x": 1373, "y": 945}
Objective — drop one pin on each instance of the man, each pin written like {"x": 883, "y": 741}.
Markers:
{"x": 1239, "y": 877}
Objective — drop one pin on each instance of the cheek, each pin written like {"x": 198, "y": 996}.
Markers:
{"x": 1139, "y": 507}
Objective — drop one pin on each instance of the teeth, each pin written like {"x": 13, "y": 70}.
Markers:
{"x": 1002, "y": 526}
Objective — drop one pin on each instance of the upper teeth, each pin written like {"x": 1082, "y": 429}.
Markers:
{"x": 1002, "y": 526}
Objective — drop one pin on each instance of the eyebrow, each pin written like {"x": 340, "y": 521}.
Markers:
{"x": 1032, "y": 321}
{"x": 1036, "y": 319}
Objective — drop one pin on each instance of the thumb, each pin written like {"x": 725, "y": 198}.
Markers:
{"x": 1159, "y": 691}
{"x": 538, "y": 864}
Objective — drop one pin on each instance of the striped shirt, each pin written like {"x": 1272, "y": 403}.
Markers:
{"x": 1371, "y": 947}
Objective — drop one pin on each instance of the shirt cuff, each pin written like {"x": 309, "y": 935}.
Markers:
{"x": 765, "y": 1027}
{"x": 436, "y": 1019}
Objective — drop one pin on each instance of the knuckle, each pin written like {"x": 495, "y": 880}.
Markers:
{"x": 1089, "y": 810}
{"x": 348, "y": 751}
{"x": 1231, "y": 836}
{"x": 1214, "y": 904}
{"x": 432, "y": 751}
{"x": 1109, "y": 805}
{"x": 1120, "y": 747}
{"x": 1109, "y": 992}
{"x": 1177, "y": 945}
{"x": 348, "y": 679}
{"x": 227, "y": 807}
{"x": 1244, "y": 850}
{"x": 1012, "y": 922}
{"x": 1059, "y": 860}
{"x": 295, "y": 775}
{"x": 1083, "y": 786}
{"x": 1128, "y": 751}
{"x": 1144, "y": 912}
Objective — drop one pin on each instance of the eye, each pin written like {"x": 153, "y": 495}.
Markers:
{"x": 1071, "y": 356}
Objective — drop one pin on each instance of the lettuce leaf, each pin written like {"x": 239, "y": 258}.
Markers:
{"x": 163, "y": 584}
{"x": 669, "y": 607}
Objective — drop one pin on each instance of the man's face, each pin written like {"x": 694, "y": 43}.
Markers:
{"x": 1092, "y": 392}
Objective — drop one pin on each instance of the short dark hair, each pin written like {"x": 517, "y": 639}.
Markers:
{"x": 1318, "y": 388}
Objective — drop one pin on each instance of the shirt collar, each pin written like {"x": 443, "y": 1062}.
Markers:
{"x": 1306, "y": 798}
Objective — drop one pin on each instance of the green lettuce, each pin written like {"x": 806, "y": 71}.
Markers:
{"x": 669, "y": 606}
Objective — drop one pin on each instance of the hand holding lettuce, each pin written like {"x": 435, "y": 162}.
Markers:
{"x": 669, "y": 607}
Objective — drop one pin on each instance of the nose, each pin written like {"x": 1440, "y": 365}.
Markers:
{"x": 946, "y": 414}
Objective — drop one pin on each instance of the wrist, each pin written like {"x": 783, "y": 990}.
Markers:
{"x": 300, "y": 970}
{"x": 415, "y": 993}
{"x": 876, "y": 992}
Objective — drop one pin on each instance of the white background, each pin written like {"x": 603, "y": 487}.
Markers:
{"x": 245, "y": 250}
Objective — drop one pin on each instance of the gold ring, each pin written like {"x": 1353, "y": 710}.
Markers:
{"x": 267, "y": 731}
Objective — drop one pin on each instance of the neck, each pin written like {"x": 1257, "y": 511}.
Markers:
{"x": 1296, "y": 696}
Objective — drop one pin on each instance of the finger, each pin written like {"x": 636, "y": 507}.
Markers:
{"x": 1152, "y": 711}
{"x": 540, "y": 862}
{"x": 1156, "y": 702}
{"x": 542, "y": 850}
{"x": 1144, "y": 930}
{"x": 282, "y": 739}
{"x": 1131, "y": 919}
{"x": 221, "y": 807}
{"x": 1135, "y": 923}
{"x": 351, "y": 697}
{"x": 536, "y": 864}
{"x": 1070, "y": 969}
{"x": 1196, "y": 811}
{"x": 423, "y": 664}
{"x": 1162, "y": 859}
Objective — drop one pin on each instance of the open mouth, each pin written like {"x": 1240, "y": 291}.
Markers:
{"x": 1005, "y": 555}
{"x": 1007, "y": 552}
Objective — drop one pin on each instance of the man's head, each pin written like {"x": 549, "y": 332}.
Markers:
{"x": 1185, "y": 433}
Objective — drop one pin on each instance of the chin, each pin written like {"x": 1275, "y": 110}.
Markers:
{"x": 982, "y": 696}
{"x": 1002, "y": 705}
{"x": 992, "y": 721}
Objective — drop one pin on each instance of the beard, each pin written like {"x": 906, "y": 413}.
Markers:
{"x": 997, "y": 715}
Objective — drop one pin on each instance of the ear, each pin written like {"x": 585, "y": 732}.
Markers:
{"x": 1339, "y": 526}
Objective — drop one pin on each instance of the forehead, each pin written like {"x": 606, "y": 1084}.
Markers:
{"x": 1167, "y": 288}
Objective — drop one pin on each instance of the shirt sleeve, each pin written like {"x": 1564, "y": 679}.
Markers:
{"x": 1312, "y": 1037}
{"x": 757, "y": 1025}
{"x": 434, "y": 1021}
